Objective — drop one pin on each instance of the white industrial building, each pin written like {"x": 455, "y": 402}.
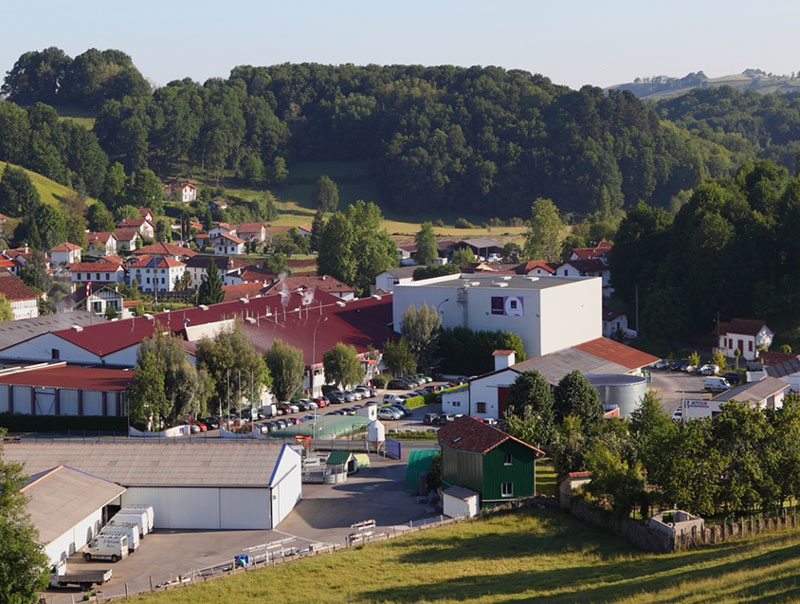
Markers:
{"x": 69, "y": 507}
{"x": 548, "y": 313}
{"x": 191, "y": 485}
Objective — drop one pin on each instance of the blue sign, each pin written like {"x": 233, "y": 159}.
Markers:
{"x": 394, "y": 448}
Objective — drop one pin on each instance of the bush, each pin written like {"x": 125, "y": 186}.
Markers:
{"x": 463, "y": 223}
{"x": 20, "y": 422}
{"x": 438, "y": 222}
{"x": 379, "y": 381}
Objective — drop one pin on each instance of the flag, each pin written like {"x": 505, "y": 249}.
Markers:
{"x": 88, "y": 293}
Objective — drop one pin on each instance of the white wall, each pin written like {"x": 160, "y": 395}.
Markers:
{"x": 245, "y": 508}
{"x": 40, "y": 348}
{"x": 79, "y": 535}
{"x": 286, "y": 482}
{"x": 455, "y": 401}
{"x": 460, "y": 508}
{"x": 484, "y": 390}
{"x": 571, "y": 314}
{"x": 178, "y": 508}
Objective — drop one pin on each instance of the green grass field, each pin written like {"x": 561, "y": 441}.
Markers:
{"x": 545, "y": 477}
{"x": 523, "y": 557}
{"x": 49, "y": 190}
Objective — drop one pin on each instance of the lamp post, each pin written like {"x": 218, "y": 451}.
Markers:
{"x": 314, "y": 352}
{"x": 440, "y": 304}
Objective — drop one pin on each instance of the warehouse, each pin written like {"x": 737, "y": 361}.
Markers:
{"x": 68, "y": 508}
{"x": 191, "y": 485}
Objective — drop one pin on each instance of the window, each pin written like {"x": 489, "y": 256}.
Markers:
{"x": 481, "y": 408}
{"x": 507, "y": 489}
{"x": 55, "y": 354}
{"x": 498, "y": 305}
{"x": 507, "y": 459}
{"x": 750, "y": 346}
{"x": 456, "y": 403}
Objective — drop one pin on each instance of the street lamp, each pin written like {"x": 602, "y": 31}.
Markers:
{"x": 440, "y": 303}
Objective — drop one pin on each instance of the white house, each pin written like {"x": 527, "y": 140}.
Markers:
{"x": 538, "y": 268}
{"x": 127, "y": 239}
{"x": 156, "y": 274}
{"x": 614, "y": 322}
{"x": 386, "y": 280}
{"x": 65, "y": 253}
{"x": 787, "y": 370}
{"x": 548, "y": 313}
{"x": 764, "y": 394}
{"x": 102, "y": 243}
{"x": 186, "y": 191}
{"x": 97, "y": 272}
{"x": 221, "y": 228}
{"x": 587, "y": 268}
{"x": 746, "y": 336}
{"x": 251, "y": 231}
{"x": 24, "y": 302}
{"x": 142, "y": 225}
{"x": 229, "y": 245}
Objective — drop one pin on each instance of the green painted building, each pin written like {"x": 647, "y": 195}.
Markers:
{"x": 488, "y": 461}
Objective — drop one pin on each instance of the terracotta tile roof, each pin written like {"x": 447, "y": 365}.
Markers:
{"x": 112, "y": 258}
{"x": 746, "y": 327}
{"x": 6, "y": 263}
{"x": 468, "y": 434}
{"x": 133, "y": 223}
{"x": 773, "y": 358}
{"x": 250, "y": 227}
{"x": 101, "y": 237}
{"x": 325, "y": 283}
{"x": 164, "y": 249}
{"x": 224, "y": 225}
{"x": 65, "y": 247}
{"x": 526, "y": 267}
{"x": 615, "y": 352}
{"x": 254, "y": 274}
{"x": 95, "y": 267}
{"x": 243, "y": 290}
{"x": 609, "y": 314}
{"x": 231, "y": 238}
{"x": 124, "y": 234}
{"x": 587, "y": 253}
{"x": 144, "y": 212}
{"x": 155, "y": 262}
{"x": 14, "y": 289}
{"x": 592, "y": 265}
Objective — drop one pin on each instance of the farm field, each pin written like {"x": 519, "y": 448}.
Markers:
{"x": 532, "y": 556}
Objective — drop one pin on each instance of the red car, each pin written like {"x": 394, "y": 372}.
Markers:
{"x": 203, "y": 427}
{"x": 321, "y": 402}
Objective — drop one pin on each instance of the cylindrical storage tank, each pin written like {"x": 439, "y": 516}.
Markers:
{"x": 376, "y": 432}
{"x": 619, "y": 390}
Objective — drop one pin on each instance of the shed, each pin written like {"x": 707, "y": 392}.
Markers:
{"x": 419, "y": 461}
{"x": 345, "y": 459}
{"x": 362, "y": 461}
{"x": 215, "y": 484}
{"x": 459, "y": 502}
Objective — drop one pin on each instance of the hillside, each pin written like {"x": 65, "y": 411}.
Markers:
{"x": 665, "y": 87}
{"x": 50, "y": 191}
{"x": 525, "y": 557}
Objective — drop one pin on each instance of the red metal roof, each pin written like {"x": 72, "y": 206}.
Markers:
{"x": 14, "y": 289}
{"x": 468, "y": 434}
{"x": 242, "y": 290}
{"x": 69, "y": 376}
{"x": 326, "y": 283}
{"x": 254, "y": 274}
{"x": 617, "y": 353}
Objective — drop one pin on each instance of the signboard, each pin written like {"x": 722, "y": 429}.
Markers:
{"x": 508, "y": 306}
{"x": 697, "y": 403}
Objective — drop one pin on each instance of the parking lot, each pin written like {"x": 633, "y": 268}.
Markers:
{"x": 673, "y": 386}
{"x": 324, "y": 515}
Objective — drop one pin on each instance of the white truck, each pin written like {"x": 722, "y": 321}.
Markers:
{"x": 141, "y": 507}
{"x": 107, "y": 547}
{"x": 84, "y": 578}
{"x": 129, "y": 529}
{"x": 140, "y": 517}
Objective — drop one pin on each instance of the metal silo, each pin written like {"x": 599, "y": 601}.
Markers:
{"x": 619, "y": 390}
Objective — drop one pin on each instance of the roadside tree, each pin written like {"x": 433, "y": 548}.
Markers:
{"x": 342, "y": 366}
{"x": 420, "y": 327}
{"x": 398, "y": 358}
{"x": 287, "y": 368}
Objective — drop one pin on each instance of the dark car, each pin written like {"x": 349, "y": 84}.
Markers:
{"x": 211, "y": 422}
{"x": 430, "y": 418}
{"x": 335, "y": 398}
{"x": 732, "y": 377}
{"x": 397, "y": 385}
{"x": 445, "y": 418}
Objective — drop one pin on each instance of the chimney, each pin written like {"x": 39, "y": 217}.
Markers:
{"x": 503, "y": 359}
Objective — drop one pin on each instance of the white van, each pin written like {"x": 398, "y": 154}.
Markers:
{"x": 107, "y": 547}
{"x": 716, "y": 384}
{"x": 138, "y": 517}
{"x": 130, "y": 530}
{"x": 141, "y": 507}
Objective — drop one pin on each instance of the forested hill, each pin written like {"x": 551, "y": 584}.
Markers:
{"x": 664, "y": 87}
{"x": 480, "y": 141}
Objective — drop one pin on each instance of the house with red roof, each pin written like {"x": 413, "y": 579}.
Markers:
{"x": 19, "y": 256}
{"x": 312, "y": 283}
{"x": 142, "y": 225}
{"x": 156, "y": 273}
{"x": 24, "y": 302}
{"x": 487, "y": 461}
{"x": 159, "y": 249}
{"x": 748, "y": 336}
{"x": 102, "y": 243}
{"x": 220, "y": 228}
{"x": 146, "y": 213}
{"x": 593, "y": 267}
{"x": 184, "y": 191}
{"x": 97, "y": 272}
{"x": 256, "y": 274}
{"x": 127, "y": 239}
{"x": 252, "y": 231}
{"x": 228, "y": 245}
{"x": 65, "y": 253}
{"x": 537, "y": 268}
{"x": 602, "y": 252}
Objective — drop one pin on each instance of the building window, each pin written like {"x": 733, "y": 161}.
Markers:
{"x": 481, "y": 408}
{"x": 97, "y": 276}
{"x": 456, "y": 403}
{"x": 507, "y": 489}
{"x": 507, "y": 459}
{"x": 55, "y": 354}
{"x": 750, "y": 346}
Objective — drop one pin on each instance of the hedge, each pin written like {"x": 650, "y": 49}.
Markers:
{"x": 21, "y": 422}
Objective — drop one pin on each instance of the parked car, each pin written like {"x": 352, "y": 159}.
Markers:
{"x": 445, "y": 418}
{"x": 336, "y": 397}
{"x": 212, "y": 422}
{"x": 661, "y": 364}
{"x": 430, "y": 418}
{"x": 284, "y": 408}
{"x": 321, "y": 401}
{"x": 732, "y": 377}
{"x": 708, "y": 369}
{"x": 397, "y": 384}
{"x": 676, "y": 365}
{"x": 403, "y": 409}
{"x": 294, "y": 408}
{"x": 491, "y": 421}
{"x": 391, "y": 398}
{"x": 201, "y": 425}
{"x": 677, "y": 415}
{"x": 386, "y": 413}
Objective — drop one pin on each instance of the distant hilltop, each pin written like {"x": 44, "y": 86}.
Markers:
{"x": 665, "y": 87}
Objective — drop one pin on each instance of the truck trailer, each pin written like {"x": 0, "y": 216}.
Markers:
{"x": 60, "y": 576}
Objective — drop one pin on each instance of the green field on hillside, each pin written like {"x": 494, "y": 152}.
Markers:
{"x": 523, "y": 557}
{"x": 49, "y": 190}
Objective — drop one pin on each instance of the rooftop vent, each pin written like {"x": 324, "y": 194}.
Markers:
{"x": 500, "y": 283}
{"x": 531, "y": 278}
{"x": 148, "y": 316}
{"x": 341, "y": 303}
{"x": 77, "y": 328}
{"x": 244, "y": 300}
{"x": 475, "y": 283}
{"x": 203, "y": 307}
{"x": 456, "y": 439}
{"x": 376, "y": 297}
{"x": 251, "y": 320}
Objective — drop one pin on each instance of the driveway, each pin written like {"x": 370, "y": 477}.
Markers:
{"x": 672, "y": 386}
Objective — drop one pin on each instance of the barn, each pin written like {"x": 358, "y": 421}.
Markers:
{"x": 213, "y": 484}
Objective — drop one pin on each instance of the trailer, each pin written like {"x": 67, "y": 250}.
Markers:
{"x": 85, "y": 579}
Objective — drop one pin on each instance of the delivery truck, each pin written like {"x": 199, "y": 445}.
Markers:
{"x": 129, "y": 529}
{"x": 107, "y": 547}
{"x": 141, "y": 507}
{"x": 137, "y": 516}
{"x": 60, "y": 576}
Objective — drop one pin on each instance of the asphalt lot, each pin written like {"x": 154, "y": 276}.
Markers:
{"x": 324, "y": 515}
{"x": 672, "y": 386}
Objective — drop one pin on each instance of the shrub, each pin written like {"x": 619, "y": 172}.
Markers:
{"x": 438, "y": 222}
{"x": 379, "y": 381}
{"x": 463, "y": 223}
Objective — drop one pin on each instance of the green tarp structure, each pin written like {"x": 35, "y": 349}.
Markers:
{"x": 329, "y": 426}
{"x": 362, "y": 460}
{"x": 419, "y": 461}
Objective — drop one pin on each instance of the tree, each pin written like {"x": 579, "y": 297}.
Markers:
{"x": 650, "y": 429}
{"x": 35, "y": 273}
{"x": 614, "y": 478}
{"x": 782, "y": 452}
{"x": 398, "y": 358}
{"x": 531, "y": 390}
{"x": 545, "y": 232}
{"x": 325, "y": 195}
{"x": 18, "y": 196}
{"x": 574, "y": 395}
{"x": 75, "y": 228}
{"x": 718, "y": 359}
{"x": 694, "y": 359}
{"x": 23, "y": 563}
{"x": 463, "y": 255}
{"x": 420, "y": 327}
{"x": 148, "y": 407}
{"x": 210, "y": 290}
{"x": 146, "y": 191}
{"x": 287, "y": 368}
{"x": 569, "y": 446}
{"x": 342, "y": 366}
{"x": 6, "y": 312}
{"x": 317, "y": 226}
{"x": 512, "y": 253}
{"x": 124, "y": 211}
{"x": 114, "y": 186}
{"x": 434, "y": 270}
{"x": 235, "y": 370}
{"x": 426, "y": 244}
{"x": 336, "y": 257}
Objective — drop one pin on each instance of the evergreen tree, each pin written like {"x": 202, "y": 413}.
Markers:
{"x": 574, "y": 395}
{"x": 148, "y": 406}
{"x": 531, "y": 390}
{"x": 114, "y": 187}
{"x": 35, "y": 274}
{"x": 210, "y": 290}
{"x": 100, "y": 219}
{"x": 317, "y": 227}
{"x": 18, "y": 196}
{"x": 287, "y": 368}
{"x": 426, "y": 244}
{"x": 325, "y": 195}
{"x": 420, "y": 327}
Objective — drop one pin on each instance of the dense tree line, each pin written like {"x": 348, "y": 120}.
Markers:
{"x": 485, "y": 141}
{"x": 732, "y": 249}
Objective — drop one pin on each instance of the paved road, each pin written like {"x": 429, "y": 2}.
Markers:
{"x": 672, "y": 386}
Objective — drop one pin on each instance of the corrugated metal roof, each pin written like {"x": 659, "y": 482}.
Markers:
{"x": 70, "y": 376}
{"x": 460, "y": 493}
{"x": 754, "y": 392}
{"x": 783, "y": 368}
{"x": 62, "y": 497}
{"x": 14, "y": 332}
{"x": 556, "y": 365}
{"x": 611, "y": 350}
{"x": 206, "y": 463}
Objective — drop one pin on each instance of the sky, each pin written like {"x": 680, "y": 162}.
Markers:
{"x": 573, "y": 42}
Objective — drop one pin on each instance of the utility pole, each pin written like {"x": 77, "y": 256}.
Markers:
{"x": 637, "y": 309}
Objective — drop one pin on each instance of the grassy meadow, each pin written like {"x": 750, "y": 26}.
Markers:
{"x": 50, "y": 191}
{"x": 542, "y": 556}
